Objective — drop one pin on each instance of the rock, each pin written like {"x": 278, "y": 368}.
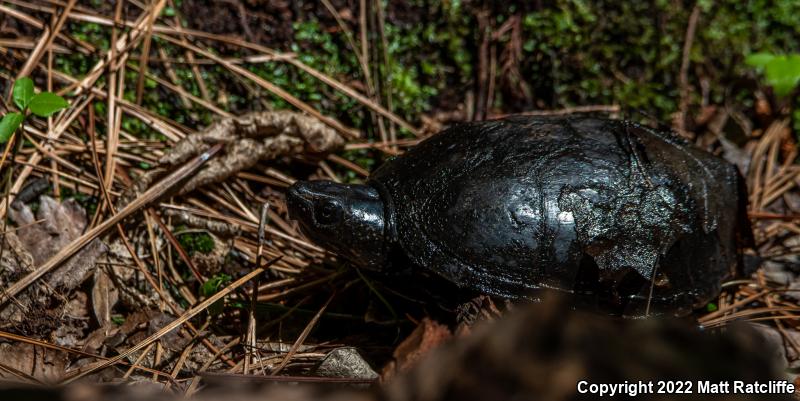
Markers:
{"x": 345, "y": 362}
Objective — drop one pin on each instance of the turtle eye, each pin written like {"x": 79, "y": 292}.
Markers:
{"x": 328, "y": 212}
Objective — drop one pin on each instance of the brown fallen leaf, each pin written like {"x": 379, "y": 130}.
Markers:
{"x": 49, "y": 303}
{"x": 430, "y": 334}
{"x": 74, "y": 322}
{"x": 56, "y": 224}
{"x": 94, "y": 342}
{"x": 104, "y": 296}
{"x": 427, "y": 336}
{"x": 43, "y": 364}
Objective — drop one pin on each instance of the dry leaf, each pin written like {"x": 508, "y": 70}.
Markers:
{"x": 48, "y": 304}
{"x": 59, "y": 224}
{"x": 44, "y": 364}
{"x": 73, "y": 322}
{"x": 96, "y": 339}
{"x": 104, "y": 296}
{"x": 426, "y": 337}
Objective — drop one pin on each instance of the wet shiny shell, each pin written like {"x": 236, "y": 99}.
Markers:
{"x": 576, "y": 204}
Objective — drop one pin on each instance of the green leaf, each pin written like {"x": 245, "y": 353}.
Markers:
{"x": 758, "y": 59}
{"x": 23, "y": 92}
{"x": 783, "y": 74}
{"x": 9, "y": 124}
{"x": 210, "y": 288}
{"x": 46, "y": 103}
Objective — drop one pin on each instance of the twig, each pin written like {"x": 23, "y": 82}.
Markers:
{"x": 251, "y": 314}
{"x": 298, "y": 379}
{"x": 176, "y": 244}
{"x": 44, "y": 43}
{"x": 300, "y": 339}
{"x": 683, "y": 78}
{"x": 138, "y": 360}
{"x": 145, "y": 57}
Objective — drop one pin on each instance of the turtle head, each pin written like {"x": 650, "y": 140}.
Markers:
{"x": 347, "y": 219}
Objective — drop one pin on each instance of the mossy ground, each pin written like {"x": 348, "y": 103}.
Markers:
{"x": 549, "y": 55}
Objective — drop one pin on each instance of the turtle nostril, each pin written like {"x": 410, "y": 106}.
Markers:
{"x": 299, "y": 191}
{"x": 295, "y": 199}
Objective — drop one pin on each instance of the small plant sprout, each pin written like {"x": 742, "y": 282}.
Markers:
{"x": 43, "y": 104}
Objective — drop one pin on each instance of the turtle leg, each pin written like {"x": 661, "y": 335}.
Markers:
{"x": 478, "y": 309}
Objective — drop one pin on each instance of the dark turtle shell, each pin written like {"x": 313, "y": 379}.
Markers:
{"x": 583, "y": 205}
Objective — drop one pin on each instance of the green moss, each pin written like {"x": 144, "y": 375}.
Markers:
{"x": 196, "y": 242}
{"x": 426, "y": 58}
{"x": 574, "y": 52}
{"x": 629, "y": 53}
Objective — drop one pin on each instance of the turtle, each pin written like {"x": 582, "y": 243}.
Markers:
{"x": 596, "y": 207}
